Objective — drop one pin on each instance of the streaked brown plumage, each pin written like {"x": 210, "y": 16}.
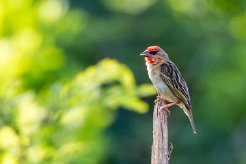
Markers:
{"x": 168, "y": 81}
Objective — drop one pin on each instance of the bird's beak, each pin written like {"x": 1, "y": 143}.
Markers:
{"x": 145, "y": 53}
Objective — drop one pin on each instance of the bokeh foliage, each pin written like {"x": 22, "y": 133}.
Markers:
{"x": 64, "y": 122}
{"x": 59, "y": 96}
{"x": 48, "y": 116}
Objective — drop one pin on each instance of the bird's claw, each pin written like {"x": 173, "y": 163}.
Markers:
{"x": 159, "y": 99}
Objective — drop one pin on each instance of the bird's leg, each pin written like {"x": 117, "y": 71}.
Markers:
{"x": 166, "y": 106}
{"x": 159, "y": 99}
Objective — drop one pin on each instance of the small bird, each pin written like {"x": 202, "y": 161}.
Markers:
{"x": 168, "y": 81}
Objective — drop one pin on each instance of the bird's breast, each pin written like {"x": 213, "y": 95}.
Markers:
{"x": 154, "y": 75}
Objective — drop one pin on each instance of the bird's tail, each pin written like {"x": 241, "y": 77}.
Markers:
{"x": 188, "y": 112}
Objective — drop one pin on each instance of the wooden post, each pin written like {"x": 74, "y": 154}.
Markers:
{"x": 160, "y": 151}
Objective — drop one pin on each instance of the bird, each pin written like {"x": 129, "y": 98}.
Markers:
{"x": 168, "y": 81}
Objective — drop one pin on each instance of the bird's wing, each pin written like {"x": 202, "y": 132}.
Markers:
{"x": 173, "y": 79}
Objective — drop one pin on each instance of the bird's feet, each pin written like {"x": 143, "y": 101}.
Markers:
{"x": 160, "y": 99}
{"x": 166, "y": 106}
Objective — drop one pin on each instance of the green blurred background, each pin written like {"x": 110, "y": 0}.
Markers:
{"x": 73, "y": 88}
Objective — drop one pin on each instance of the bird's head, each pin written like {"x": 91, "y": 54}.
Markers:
{"x": 155, "y": 55}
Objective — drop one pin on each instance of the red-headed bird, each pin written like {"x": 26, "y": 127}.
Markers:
{"x": 168, "y": 81}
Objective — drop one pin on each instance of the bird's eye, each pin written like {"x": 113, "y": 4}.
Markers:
{"x": 153, "y": 52}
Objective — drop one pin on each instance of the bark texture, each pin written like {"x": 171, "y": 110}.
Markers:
{"x": 160, "y": 151}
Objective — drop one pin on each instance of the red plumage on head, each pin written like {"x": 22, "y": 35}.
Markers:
{"x": 153, "y": 48}
{"x": 149, "y": 60}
